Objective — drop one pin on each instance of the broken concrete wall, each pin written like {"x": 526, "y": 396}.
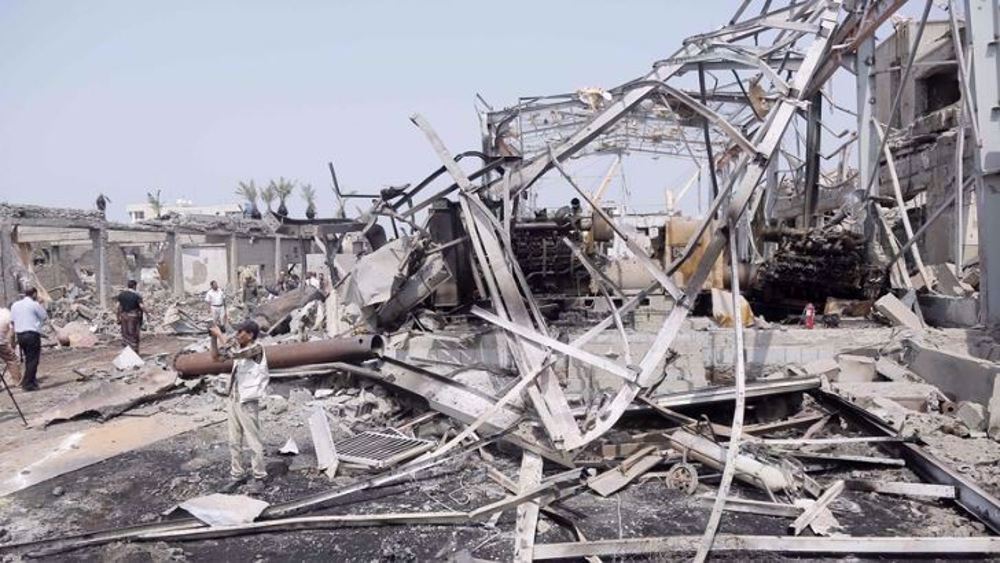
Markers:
{"x": 949, "y": 312}
{"x": 117, "y": 265}
{"x": 204, "y": 264}
{"x": 260, "y": 252}
{"x": 961, "y": 377}
{"x": 928, "y": 167}
{"x": 891, "y": 55}
{"x": 58, "y": 267}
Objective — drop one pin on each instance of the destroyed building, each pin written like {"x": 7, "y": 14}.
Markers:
{"x": 806, "y": 366}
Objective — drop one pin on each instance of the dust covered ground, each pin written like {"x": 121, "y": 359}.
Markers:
{"x": 141, "y": 486}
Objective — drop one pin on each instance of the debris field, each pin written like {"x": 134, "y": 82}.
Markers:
{"x": 808, "y": 368}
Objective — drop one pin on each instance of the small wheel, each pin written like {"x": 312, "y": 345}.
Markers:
{"x": 682, "y": 477}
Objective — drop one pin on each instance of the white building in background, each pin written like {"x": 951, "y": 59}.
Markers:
{"x": 142, "y": 211}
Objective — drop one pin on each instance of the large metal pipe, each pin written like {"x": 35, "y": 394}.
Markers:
{"x": 748, "y": 468}
{"x": 279, "y": 356}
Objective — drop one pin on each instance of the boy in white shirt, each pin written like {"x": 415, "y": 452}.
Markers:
{"x": 247, "y": 385}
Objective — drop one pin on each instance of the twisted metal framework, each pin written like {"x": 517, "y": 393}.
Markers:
{"x": 786, "y": 52}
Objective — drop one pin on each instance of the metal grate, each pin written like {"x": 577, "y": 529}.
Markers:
{"x": 380, "y": 449}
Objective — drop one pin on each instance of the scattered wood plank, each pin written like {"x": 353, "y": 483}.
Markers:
{"x": 778, "y": 425}
{"x": 527, "y": 513}
{"x": 624, "y": 449}
{"x": 902, "y": 488}
{"x": 858, "y": 459}
{"x": 816, "y": 427}
{"x": 839, "y": 545}
{"x": 613, "y": 480}
{"x": 824, "y": 441}
{"x": 810, "y": 514}
{"x": 763, "y": 508}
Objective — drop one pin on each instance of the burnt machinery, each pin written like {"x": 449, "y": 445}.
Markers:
{"x": 547, "y": 262}
{"x": 810, "y": 265}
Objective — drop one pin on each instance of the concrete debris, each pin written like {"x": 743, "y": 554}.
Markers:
{"x": 920, "y": 397}
{"x": 854, "y": 368}
{"x": 949, "y": 312}
{"x": 128, "y": 359}
{"x": 897, "y": 313}
{"x": 948, "y": 282}
{"x": 972, "y": 415}
{"x": 76, "y": 335}
{"x": 290, "y": 448}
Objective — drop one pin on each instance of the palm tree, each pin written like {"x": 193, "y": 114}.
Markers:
{"x": 282, "y": 188}
{"x": 267, "y": 195}
{"x": 249, "y": 192}
{"x": 156, "y": 202}
{"x": 309, "y": 195}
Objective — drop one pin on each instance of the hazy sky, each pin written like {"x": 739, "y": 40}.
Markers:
{"x": 191, "y": 96}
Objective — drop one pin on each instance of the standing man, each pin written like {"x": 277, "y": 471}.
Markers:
{"x": 102, "y": 203}
{"x": 28, "y": 316}
{"x": 216, "y": 299}
{"x": 250, "y": 291}
{"x": 279, "y": 285}
{"x": 8, "y": 347}
{"x": 247, "y": 385}
{"x": 130, "y": 313}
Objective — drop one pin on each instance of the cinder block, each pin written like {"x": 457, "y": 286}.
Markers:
{"x": 898, "y": 314}
{"x": 855, "y": 368}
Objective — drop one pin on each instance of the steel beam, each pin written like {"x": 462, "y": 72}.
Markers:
{"x": 983, "y": 30}
{"x": 660, "y": 546}
{"x": 971, "y": 497}
{"x": 868, "y": 157}
{"x": 813, "y": 149}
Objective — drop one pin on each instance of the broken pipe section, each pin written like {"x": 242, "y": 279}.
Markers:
{"x": 748, "y": 468}
{"x": 280, "y": 356}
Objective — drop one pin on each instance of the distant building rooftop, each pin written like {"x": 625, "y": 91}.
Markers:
{"x": 143, "y": 211}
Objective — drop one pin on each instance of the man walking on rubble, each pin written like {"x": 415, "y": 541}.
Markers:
{"x": 8, "y": 347}
{"x": 247, "y": 385}
{"x": 130, "y": 313}
{"x": 216, "y": 299}
{"x": 28, "y": 315}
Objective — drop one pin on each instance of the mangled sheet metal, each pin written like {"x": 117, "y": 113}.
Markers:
{"x": 110, "y": 398}
{"x": 370, "y": 280}
{"x": 218, "y": 509}
{"x": 413, "y": 290}
{"x": 274, "y": 313}
{"x": 803, "y": 48}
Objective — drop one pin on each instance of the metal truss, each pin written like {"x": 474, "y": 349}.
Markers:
{"x": 764, "y": 69}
